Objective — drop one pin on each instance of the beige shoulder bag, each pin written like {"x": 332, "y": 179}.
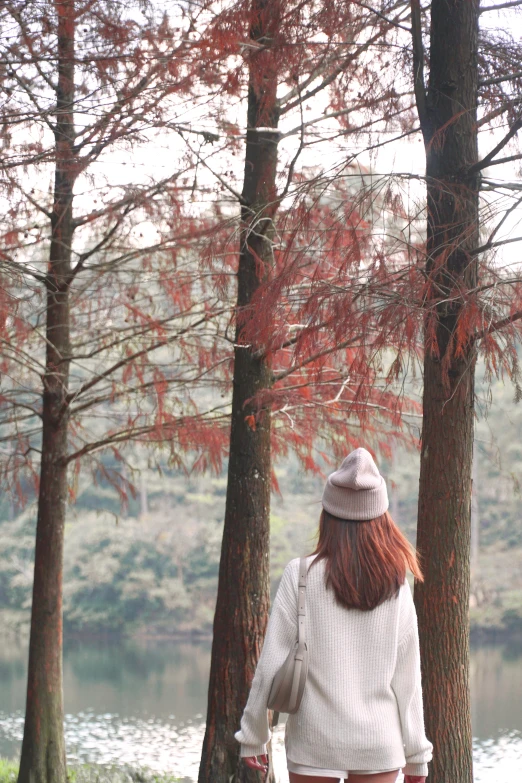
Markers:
{"x": 289, "y": 682}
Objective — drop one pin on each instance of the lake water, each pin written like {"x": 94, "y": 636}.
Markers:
{"x": 143, "y": 704}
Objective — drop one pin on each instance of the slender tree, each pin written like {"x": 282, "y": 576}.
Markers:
{"x": 445, "y": 299}
{"x": 103, "y": 275}
{"x": 448, "y": 113}
{"x": 283, "y": 52}
{"x": 43, "y": 749}
{"x": 447, "y": 110}
{"x": 243, "y": 593}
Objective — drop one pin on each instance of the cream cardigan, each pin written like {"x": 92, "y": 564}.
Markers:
{"x": 362, "y": 704}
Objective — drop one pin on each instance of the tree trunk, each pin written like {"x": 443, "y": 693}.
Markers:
{"x": 448, "y": 121}
{"x": 43, "y": 748}
{"x": 243, "y": 591}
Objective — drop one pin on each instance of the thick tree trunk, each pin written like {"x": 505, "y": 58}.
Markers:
{"x": 443, "y": 537}
{"x": 43, "y": 747}
{"x": 243, "y": 591}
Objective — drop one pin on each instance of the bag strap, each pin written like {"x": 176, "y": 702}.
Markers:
{"x": 301, "y": 634}
{"x": 301, "y": 608}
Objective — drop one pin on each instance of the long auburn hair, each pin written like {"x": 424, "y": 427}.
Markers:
{"x": 366, "y": 561}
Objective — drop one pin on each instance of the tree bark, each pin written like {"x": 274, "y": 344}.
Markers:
{"x": 43, "y": 748}
{"x": 243, "y": 590}
{"x": 448, "y": 120}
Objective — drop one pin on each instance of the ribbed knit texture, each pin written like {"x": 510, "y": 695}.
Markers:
{"x": 362, "y": 704}
{"x": 356, "y": 491}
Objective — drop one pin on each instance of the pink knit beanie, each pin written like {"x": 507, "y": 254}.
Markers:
{"x": 357, "y": 490}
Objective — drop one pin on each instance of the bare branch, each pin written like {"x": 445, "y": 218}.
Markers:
{"x": 498, "y": 325}
{"x": 342, "y": 113}
{"x": 135, "y": 433}
{"x": 136, "y": 355}
{"x": 83, "y": 257}
{"x": 485, "y": 162}
{"x": 498, "y": 111}
{"x": 343, "y": 65}
{"x": 500, "y": 6}
{"x": 499, "y": 79}
{"x": 131, "y": 332}
{"x": 296, "y": 156}
{"x": 219, "y": 178}
{"x": 110, "y": 396}
{"x": 508, "y": 159}
{"x": 491, "y": 184}
{"x": 491, "y": 245}
{"x": 505, "y": 216}
{"x": 381, "y": 16}
{"x": 314, "y": 357}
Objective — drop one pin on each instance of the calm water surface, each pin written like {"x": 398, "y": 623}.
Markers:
{"x": 143, "y": 703}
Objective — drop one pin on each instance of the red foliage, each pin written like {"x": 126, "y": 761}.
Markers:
{"x": 343, "y": 313}
{"x": 144, "y": 322}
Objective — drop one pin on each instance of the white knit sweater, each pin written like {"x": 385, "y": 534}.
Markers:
{"x": 362, "y": 703}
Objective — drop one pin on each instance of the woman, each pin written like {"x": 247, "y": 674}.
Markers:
{"x": 361, "y": 714}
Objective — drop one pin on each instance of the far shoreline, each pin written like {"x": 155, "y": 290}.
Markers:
{"x": 479, "y": 635}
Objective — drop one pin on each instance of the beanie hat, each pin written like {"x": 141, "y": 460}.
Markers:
{"x": 357, "y": 490}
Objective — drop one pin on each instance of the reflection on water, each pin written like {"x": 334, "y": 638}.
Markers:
{"x": 143, "y": 703}
{"x": 108, "y": 738}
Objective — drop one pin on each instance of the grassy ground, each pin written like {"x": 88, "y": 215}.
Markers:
{"x": 8, "y": 771}
{"x": 94, "y": 773}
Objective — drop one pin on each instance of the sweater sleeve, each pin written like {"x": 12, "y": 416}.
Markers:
{"x": 406, "y": 684}
{"x": 280, "y": 637}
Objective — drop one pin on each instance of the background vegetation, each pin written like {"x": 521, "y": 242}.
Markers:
{"x": 153, "y": 568}
{"x": 92, "y": 773}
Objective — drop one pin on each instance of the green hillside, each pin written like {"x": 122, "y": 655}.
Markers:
{"x": 154, "y": 570}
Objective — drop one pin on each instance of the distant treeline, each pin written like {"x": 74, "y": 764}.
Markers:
{"x": 153, "y": 568}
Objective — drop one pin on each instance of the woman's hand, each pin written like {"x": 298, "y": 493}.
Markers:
{"x": 253, "y": 763}
{"x": 414, "y": 779}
